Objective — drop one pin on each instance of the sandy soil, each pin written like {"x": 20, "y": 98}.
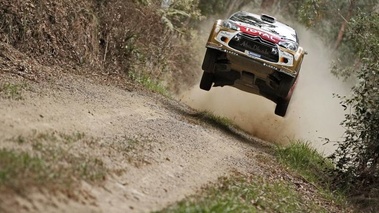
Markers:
{"x": 177, "y": 155}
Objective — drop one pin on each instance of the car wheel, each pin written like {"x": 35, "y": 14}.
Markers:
{"x": 206, "y": 81}
{"x": 210, "y": 59}
{"x": 285, "y": 86}
{"x": 282, "y": 103}
{"x": 281, "y": 107}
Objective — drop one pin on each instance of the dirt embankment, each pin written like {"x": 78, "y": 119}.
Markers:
{"x": 172, "y": 150}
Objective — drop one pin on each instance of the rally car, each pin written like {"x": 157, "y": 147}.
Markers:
{"x": 254, "y": 53}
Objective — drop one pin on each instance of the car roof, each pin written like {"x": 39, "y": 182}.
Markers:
{"x": 276, "y": 27}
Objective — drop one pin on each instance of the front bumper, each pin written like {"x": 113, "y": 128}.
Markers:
{"x": 269, "y": 55}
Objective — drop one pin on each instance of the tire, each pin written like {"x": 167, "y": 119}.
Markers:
{"x": 210, "y": 59}
{"x": 285, "y": 86}
{"x": 281, "y": 107}
{"x": 206, "y": 81}
{"x": 282, "y": 103}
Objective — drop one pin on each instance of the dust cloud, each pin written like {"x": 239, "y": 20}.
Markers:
{"x": 313, "y": 114}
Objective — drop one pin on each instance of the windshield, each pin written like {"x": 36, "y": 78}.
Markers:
{"x": 241, "y": 17}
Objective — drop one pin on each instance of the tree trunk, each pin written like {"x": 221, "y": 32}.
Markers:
{"x": 344, "y": 24}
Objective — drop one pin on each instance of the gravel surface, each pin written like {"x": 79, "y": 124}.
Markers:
{"x": 174, "y": 155}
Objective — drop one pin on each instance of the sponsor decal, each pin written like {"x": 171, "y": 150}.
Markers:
{"x": 272, "y": 67}
{"x": 224, "y": 33}
{"x": 254, "y": 55}
{"x": 266, "y": 36}
{"x": 279, "y": 70}
{"x": 254, "y": 47}
{"x": 230, "y": 52}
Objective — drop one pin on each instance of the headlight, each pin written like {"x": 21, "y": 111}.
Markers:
{"x": 230, "y": 25}
{"x": 291, "y": 45}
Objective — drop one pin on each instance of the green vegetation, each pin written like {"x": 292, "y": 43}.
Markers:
{"x": 12, "y": 91}
{"x": 149, "y": 83}
{"x": 50, "y": 164}
{"x": 252, "y": 193}
{"x": 305, "y": 160}
{"x": 357, "y": 156}
{"x": 248, "y": 194}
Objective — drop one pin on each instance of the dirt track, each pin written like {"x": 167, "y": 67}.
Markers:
{"x": 177, "y": 155}
{"x": 176, "y": 151}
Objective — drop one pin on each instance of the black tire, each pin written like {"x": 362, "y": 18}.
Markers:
{"x": 281, "y": 107}
{"x": 282, "y": 103}
{"x": 206, "y": 81}
{"x": 285, "y": 86}
{"x": 210, "y": 59}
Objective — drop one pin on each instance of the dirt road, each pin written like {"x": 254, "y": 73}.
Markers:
{"x": 176, "y": 152}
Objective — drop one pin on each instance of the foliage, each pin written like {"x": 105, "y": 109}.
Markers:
{"x": 180, "y": 14}
{"x": 149, "y": 41}
{"x": 112, "y": 37}
{"x": 248, "y": 194}
{"x": 269, "y": 194}
{"x": 51, "y": 30}
{"x": 304, "y": 159}
{"x": 330, "y": 19}
{"x": 357, "y": 156}
{"x": 212, "y": 7}
{"x": 217, "y": 7}
{"x": 149, "y": 83}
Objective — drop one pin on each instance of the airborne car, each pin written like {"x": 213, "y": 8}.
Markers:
{"x": 254, "y": 53}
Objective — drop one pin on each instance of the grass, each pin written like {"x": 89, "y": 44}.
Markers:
{"x": 247, "y": 194}
{"x": 50, "y": 164}
{"x": 149, "y": 83}
{"x": 253, "y": 193}
{"x": 305, "y": 160}
{"x": 12, "y": 91}
{"x": 56, "y": 161}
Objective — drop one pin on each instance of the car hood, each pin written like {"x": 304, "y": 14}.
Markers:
{"x": 274, "y": 32}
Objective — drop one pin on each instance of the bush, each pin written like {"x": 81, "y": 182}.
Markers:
{"x": 357, "y": 156}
